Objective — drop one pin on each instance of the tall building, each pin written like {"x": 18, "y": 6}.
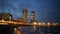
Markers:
{"x": 25, "y": 15}
{"x": 32, "y": 16}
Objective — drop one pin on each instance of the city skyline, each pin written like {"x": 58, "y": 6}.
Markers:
{"x": 29, "y": 17}
{"x": 45, "y": 10}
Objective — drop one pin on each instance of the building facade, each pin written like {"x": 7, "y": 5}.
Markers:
{"x": 5, "y": 16}
{"x": 25, "y": 15}
{"x": 32, "y": 16}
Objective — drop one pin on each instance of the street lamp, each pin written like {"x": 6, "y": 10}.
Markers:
{"x": 48, "y": 23}
{"x": 39, "y": 23}
{"x": 35, "y": 23}
{"x": 43, "y": 23}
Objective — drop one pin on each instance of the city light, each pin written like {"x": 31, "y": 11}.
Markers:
{"x": 15, "y": 22}
{"x": 3, "y": 24}
{"x": 34, "y": 27}
{"x": 43, "y": 23}
{"x": 39, "y": 23}
{"x": 24, "y": 21}
{"x": 3, "y": 20}
{"x": 54, "y": 24}
{"x": 32, "y": 14}
{"x": 35, "y": 23}
{"x": 15, "y": 28}
{"x": 48, "y": 23}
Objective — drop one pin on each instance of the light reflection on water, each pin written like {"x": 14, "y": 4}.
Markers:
{"x": 41, "y": 30}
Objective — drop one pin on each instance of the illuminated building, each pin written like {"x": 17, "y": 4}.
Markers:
{"x": 32, "y": 16}
{"x": 25, "y": 15}
{"x": 20, "y": 19}
{"x": 5, "y": 16}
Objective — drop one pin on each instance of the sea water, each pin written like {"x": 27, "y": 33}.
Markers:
{"x": 40, "y": 30}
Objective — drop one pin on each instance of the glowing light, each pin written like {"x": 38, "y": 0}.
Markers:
{"x": 54, "y": 24}
{"x": 4, "y": 23}
{"x": 35, "y": 23}
{"x": 39, "y": 23}
{"x": 15, "y": 22}
{"x": 32, "y": 16}
{"x": 34, "y": 27}
{"x": 15, "y": 28}
{"x": 10, "y": 17}
{"x": 3, "y": 20}
{"x": 32, "y": 13}
{"x": 48, "y": 23}
{"x": 43, "y": 23}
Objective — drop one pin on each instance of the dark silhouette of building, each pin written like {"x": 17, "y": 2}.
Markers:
{"x": 5, "y": 16}
{"x": 6, "y": 29}
{"x": 25, "y": 15}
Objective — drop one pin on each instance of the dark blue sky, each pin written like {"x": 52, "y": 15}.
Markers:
{"x": 45, "y": 10}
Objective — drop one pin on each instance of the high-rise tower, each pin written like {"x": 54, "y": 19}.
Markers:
{"x": 25, "y": 15}
{"x": 32, "y": 16}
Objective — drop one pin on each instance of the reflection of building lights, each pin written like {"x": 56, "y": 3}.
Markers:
{"x": 34, "y": 27}
{"x": 15, "y": 28}
{"x": 48, "y": 23}
{"x": 32, "y": 13}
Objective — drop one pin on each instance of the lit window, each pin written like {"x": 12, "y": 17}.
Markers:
{"x": 32, "y": 16}
{"x": 32, "y": 13}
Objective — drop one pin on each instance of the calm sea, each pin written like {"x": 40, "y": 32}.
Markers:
{"x": 40, "y": 30}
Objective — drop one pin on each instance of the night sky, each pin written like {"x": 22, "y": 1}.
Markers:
{"x": 45, "y": 10}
